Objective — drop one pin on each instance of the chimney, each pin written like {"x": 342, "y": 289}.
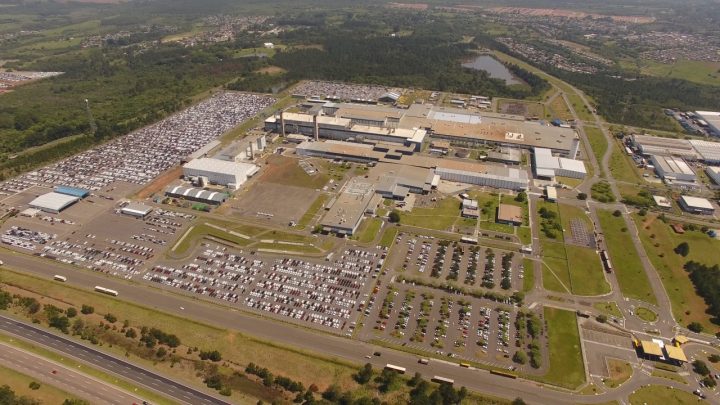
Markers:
{"x": 316, "y": 128}
{"x": 282, "y": 123}
{"x": 252, "y": 155}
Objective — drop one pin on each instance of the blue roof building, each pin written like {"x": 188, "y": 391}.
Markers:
{"x": 73, "y": 191}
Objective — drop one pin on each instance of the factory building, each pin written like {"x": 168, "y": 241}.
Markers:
{"x": 396, "y": 181}
{"x": 511, "y": 156}
{"x": 709, "y": 152}
{"x": 72, "y": 191}
{"x": 196, "y": 194}
{"x": 672, "y": 168}
{"x": 545, "y": 165}
{"x": 53, "y": 202}
{"x": 490, "y": 176}
{"x": 509, "y": 214}
{"x": 136, "y": 210}
{"x": 713, "y": 173}
{"x": 696, "y": 205}
{"x": 711, "y": 120}
{"x": 229, "y": 174}
{"x": 344, "y": 216}
{"x": 244, "y": 149}
{"x": 653, "y": 145}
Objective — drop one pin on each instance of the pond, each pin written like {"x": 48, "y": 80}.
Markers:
{"x": 491, "y": 65}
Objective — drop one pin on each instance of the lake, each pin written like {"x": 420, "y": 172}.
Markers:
{"x": 491, "y": 65}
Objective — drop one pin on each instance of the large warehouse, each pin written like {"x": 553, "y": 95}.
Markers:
{"x": 712, "y": 121}
{"x": 654, "y": 145}
{"x": 483, "y": 175}
{"x": 709, "y": 151}
{"x": 53, "y": 202}
{"x": 346, "y": 213}
{"x": 546, "y": 165}
{"x": 696, "y": 205}
{"x": 713, "y": 173}
{"x": 229, "y": 174}
{"x": 672, "y": 168}
{"x": 196, "y": 194}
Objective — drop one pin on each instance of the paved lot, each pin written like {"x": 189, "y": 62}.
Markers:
{"x": 270, "y": 201}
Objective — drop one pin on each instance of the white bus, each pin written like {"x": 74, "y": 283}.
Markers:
{"x": 58, "y": 277}
{"x": 393, "y": 367}
{"x": 106, "y": 291}
{"x": 443, "y": 380}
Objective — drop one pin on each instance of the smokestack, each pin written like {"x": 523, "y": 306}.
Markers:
{"x": 252, "y": 155}
{"x": 282, "y": 123}
{"x": 316, "y": 128}
{"x": 575, "y": 148}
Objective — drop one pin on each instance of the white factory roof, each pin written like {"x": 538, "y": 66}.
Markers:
{"x": 697, "y": 202}
{"x": 662, "y": 201}
{"x": 136, "y": 209}
{"x": 672, "y": 164}
{"x": 572, "y": 164}
{"x": 712, "y": 117}
{"x": 545, "y": 160}
{"x": 709, "y": 151}
{"x": 53, "y": 201}
{"x": 222, "y": 166}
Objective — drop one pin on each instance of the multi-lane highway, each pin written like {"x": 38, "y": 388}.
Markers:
{"x": 106, "y": 362}
{"x": 67, "y": 379}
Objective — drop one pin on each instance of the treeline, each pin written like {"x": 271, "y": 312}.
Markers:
{"x": 706, "y": 280}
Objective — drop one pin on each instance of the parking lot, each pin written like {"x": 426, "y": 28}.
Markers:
{"x": 467, "y": 264}
{"x": 445, "y": 324}
{"x": 321, "y": 293}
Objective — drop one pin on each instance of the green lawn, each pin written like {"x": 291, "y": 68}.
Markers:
{"x": 621, "y": 168}
{"x": 657, "y": 394}
{"x": 570, "y": 212}
{"x": 388, "y": 237}
{"x": 646, "y": 314}
{"x": 580, "y": 108}
{"x": 203, "y": 230}
{"x": 19, "y": 383}
{"x": 599, "y": 145}
{"x": 369, "y": 230}
{"x": 586, "y": 271}
{"x": 659, "y": 241}
{"x": 626, "y": 264}
{"x": 528, "y": 275}
{"x": 441, "y": 217}
{"x": 669, "y": 375}
{"x": 609, "y": 308}
{"x": 694, "y": 71}
{"x": 566, "y": 367}
{"x": 525, "y": 235}
{"x": 312, "y": 211}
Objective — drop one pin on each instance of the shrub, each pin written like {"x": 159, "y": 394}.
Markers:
{"x": 111, "y": 318}
{"x": 211, "y": 355}
{"x": 34, "y": 385}
{"x": 71, "y": 312}
{"x": 87, "y": 309}
{"x": 695, "y": 327}
{"x": 394, "y": 216}
{"x": 602, "y": 318}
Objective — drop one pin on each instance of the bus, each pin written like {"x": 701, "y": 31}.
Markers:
{"x": 442, "y": 380}
{"x": 504, "y": 374}
{"x": 106, "y": 291}
{"x": 58, "y": 277}
{"x": 604, "y": 255}
{"x": 393, "y": 367}
{"x": 466, "y": 365}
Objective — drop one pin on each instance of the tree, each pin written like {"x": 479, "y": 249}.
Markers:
{"x": 111, "y": 318}
{"x": 580, "y": 196}
{"x": 87, "y": 309}
{"x": 364, "y": 375}
{"x": 520, "y": 357}
{"x": 394, "y": 216}
{"x": 518, "y": 401}
{"x": 617, "y": 213}
{"x": 695, "y": 327}
{"x": 161, "y": 352}
{"x": 211, "y": 355}
{"x": 34, "y": 385}
{"x": 521, "y": 196}
{"x": 602, "y": 318}
{"x": 683, "y": 249}
{"x": 700, "y": 367}
{"x": 71, "y": 312}
{"x": 714, "y": 358}
{"x": 415, "y": 380}
{"x": 332, "y": 393}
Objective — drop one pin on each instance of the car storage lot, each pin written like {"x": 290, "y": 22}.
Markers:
{"x": 466, "y": 264}
{"x": 315, "y": 292}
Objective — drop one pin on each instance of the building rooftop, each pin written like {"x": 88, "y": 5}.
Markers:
{"x": 697, "y": 202}
{"x": 671, "y": 164}
{"x": 662, "y": 201}
{"x": 708, "y": 151}
{"x": 350, "y": 206}
{"x": 137, "y": 208}
{"x": 221, "y": 166}
{"x": 196, "y": 193}
{"x": 651, "y": 348}
{"x": 53, "y": 201}
{"x": 675, "y": 353}
{"x": 509, "y": 213}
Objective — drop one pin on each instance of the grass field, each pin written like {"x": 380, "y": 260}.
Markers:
{"x": 620, "y": 371}
{"x": 694, "y": 71}
{"x": 369, "y": 230}
{"x": 234, "y": 346}
{"x": 570, "y": 212}
{"x": 599, "y": 145}
{"x": 659, "y": 241}
{"x": 203, "y": 230}
{"x": 312, "y": 211}
{"x": 285, "y": 170}
{"x": 559, "y": 109}
{"x": 657, "y": 395}
{"x": 669, "y": 375}
{"x": 388, "y": 237}
{"x": 18, "y": 382}
{"x": 646, "y": 314}
{"x": 566, "y": 362}
{"x": 586, "y": 271}
{"x": 621, "y": 168}
{"x": 528, "y": 275}
{"x": 609, "y": 308}
{"x": 440, "y": 217}
{"x": 579, "y": 107}
{"x": 628, "y": 268}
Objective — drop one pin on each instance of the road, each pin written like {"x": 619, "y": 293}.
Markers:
{"x": 106, "y": 362}
{"x": 75, "y": 383}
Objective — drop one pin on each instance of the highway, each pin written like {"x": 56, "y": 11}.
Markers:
{"x": 106, "y": 362}
{"x": 67, "y": 379}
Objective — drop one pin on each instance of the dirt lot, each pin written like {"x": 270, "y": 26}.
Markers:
{"x": 285, "y": 170}
{"x": 160, "y": 182}
{"x": 269, "y": 198}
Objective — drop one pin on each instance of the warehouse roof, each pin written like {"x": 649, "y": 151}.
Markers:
{"x": 697, "y": 202}
{"x": 73, "y": 191}
{"x": 670, "y": 164}
{"x": 509, "y": 213}
{"x": 221, "y": 166}
{"x": 708, "y": 151}
{"x": 196, "y": 193}
{"x": 136, "y": 209}
{"x": 53, "y": 201}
